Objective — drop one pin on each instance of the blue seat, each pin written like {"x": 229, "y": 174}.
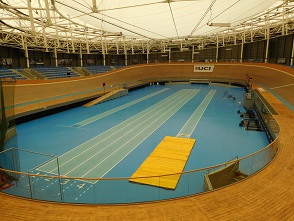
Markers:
{"x": 55, "y": 72}
{"x": 7, "y": 73}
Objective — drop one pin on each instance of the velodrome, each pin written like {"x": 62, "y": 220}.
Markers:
{"x": 267, "y": 195}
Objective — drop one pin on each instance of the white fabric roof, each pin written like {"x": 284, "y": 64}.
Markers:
{"x": 153, "y": 19}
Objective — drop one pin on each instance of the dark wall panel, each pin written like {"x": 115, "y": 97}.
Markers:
{"x": 273, "y": 46}
{"x": 4, "y": 52}
{"x": 22, "y": 62}
{"x": 75, "y": 60}
{"x": 288, "y": 48}
{"x": 280, "y": 51}
{"x": 261, "y": 49}
{"x": 205, "y": 55}
{"x": 92, "y": 59}
{"x": 38, "y": 54}
{"x": 281, "y": 47}
{"x": 48, "y": 59}
{"x": 115, "y": 59}
{"x": 246, "y": 51}
{"x": 14, "y": 54}
{"x": 155, "y": 58}
{"x": 229, "y": 53}
{"x": 66, "y": 59}
{"x": 181, "y": 56}
{"x": 222, "y": 54}
{"x": 9, "y": 57}
{"x": 253, "y": 50}
{"x": 99, "y": 59}
{"x": 140, "y": 59}
{"x": 236, "y": 52}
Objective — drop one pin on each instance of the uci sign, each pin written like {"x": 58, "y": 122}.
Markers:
{"x": 203, "y": 68}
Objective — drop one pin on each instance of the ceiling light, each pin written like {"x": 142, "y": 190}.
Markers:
{"x": 111, "y": 34}
{"x": 220, "y": 24}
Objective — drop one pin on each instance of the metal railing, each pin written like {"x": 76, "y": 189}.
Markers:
{"x": 58, "y": 188}
{"x": 120, "y": 190}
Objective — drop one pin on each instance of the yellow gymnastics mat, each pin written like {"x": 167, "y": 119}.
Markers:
{"x": 169, "y": 157}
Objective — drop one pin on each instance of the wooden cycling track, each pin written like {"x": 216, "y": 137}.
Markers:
{"x": 267, "y": 195}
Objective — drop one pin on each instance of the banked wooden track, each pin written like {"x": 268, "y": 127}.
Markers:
{"x": 267, "y": 195}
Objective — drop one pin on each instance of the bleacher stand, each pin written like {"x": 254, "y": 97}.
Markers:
{"x": 7, "y": 73}
{"x": 55, "y": 72}
{"x": 98, "y": 69}
{"x": 18, "y": 69}
{"x": 118, "y": 66}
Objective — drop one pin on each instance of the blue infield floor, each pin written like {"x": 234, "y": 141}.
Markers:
{"x": 114, "y": 138}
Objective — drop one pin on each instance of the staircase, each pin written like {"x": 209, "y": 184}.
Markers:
{"x": 238, "y": 176}
{"x": 108, "y": 96}
{"x": 82, "y": 71}
{"x": 32, "y": 74}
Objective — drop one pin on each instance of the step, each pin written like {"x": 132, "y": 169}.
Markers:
{"x": 108, "y": 96}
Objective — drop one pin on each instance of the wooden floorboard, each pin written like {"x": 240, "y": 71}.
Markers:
{"x": 169, "y": 157}
{"x": 267, "y": 195}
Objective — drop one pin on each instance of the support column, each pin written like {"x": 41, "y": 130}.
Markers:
{"x": 147, "y": 53}
{"x": 57, "y": 44}
{"x": 71, "y": 38}
{"x": 27, "y": 55}
{"x": 49, "y": 22}
{"x": 192, "y": 58}
{"x": 55, "y": 54}
{"x": 267, "y": 36}
{"x": 125, "y": 52}
{"x": 242, "y": 47}
{"x": 94, "y": 9}
{"x": 103, "y": 52}
{"x": 31, "y": 16}
{"x": 67, "y": 42}
{"x": 43, "y": 28}
{"x": 25, "y": 48}
{"x": 216, "y": 53}
{"x": 292, "y": 54}
{"x": 266, "y": 60}
{"x": 126, "y": 58}
{"x": 283, "y": 21}
{"x": 132, "y": 43}
{"x": 81, "y": 56}
{"x": 235, "y": 38}
{"x": 251, "y": 32}
{"x": 116, "y": 44}
{"x": 87, "y": 39}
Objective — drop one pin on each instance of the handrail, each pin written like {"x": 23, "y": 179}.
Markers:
{"x": 274, "y": 146}
{"x": 111, "y": 87}
{"x": 233, "y": 169}
{"x": 126, "y": 178}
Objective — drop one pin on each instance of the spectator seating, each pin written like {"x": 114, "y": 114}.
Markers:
{"x": 98, "y": 69}
{"x": 8, "y": 73}
{"x": 55, "y": 72}
{"x": 118, "y": 66}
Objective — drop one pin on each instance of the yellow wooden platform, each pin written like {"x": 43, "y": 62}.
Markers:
{"x": 169, "y": 157}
